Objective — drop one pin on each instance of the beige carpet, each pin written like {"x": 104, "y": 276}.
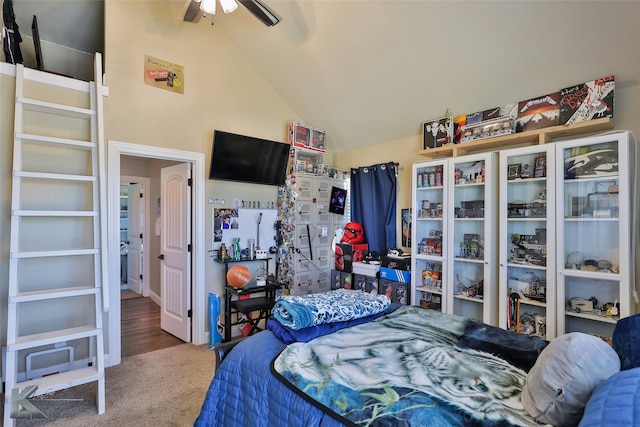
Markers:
{"x": 162, "y": 388}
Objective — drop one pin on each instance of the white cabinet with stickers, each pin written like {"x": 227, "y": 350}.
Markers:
{"x": 307, "y": 227}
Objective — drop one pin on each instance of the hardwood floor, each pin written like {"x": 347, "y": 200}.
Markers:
{"x": 140, "y": 323}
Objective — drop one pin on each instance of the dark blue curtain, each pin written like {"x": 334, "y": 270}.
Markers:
{"x": 373, "y": 204}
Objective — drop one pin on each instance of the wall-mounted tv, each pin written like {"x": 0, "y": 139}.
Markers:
{"x": 247, "y": 159}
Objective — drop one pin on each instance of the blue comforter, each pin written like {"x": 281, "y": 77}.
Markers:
{"x": 244, "y": 392}
{"x": 303, "y": 311}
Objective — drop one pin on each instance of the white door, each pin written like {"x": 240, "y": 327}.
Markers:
{"x": 134, "y": 237}
{"x": 175, "y": 238}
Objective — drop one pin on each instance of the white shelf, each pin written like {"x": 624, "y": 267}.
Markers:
{"x": 63, "y": 380}
{"x": 53, "y": 337}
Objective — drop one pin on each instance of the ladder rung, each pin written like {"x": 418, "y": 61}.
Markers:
{"x": 53, "y": 108}
{"x": 63, "y": 380}
{"x": 48, "y": 338}
{"x": 53, "y": 294}
{"x": 53, "y": 253}
{"x": 58, "y": 176}
{"x": 50, "y": 140}
{"x": 53, "y": 213}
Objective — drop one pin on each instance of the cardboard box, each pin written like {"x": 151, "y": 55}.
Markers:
{"x": 587, "y": 101}
{"x": 370, "y": 270}
{"x": 401, "y": 276}
{"x": 347, "y": 254}
{"x": 396, "y": 263}
{"x": 539, "y": 112}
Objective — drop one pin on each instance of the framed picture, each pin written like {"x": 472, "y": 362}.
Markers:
{"x": 540, "y": 169}
{"x": 406, "y": 227}
{"x": 338, "y": 200}
{"x": 513, "y": 171}
{"x": 437, "y": 132}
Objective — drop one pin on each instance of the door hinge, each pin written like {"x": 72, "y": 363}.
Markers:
{"x": 141, "y": 277}
{"x": 189, "y": 247}
{"x": 190, "y": 182}
{"x": 140, "y": 236}
{"x": 141, "y": 195}
{"x": 190, "y": 313}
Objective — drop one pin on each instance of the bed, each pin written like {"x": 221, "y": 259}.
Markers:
{"x": 413, "y": 366}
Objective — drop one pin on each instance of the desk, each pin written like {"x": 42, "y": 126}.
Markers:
{"x": 260, "y": 303}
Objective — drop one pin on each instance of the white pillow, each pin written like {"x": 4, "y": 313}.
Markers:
{"x": 564, "y": 376}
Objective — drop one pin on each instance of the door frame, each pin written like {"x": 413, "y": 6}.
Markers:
{"x": 146, "y": 263}
{"x": 115, "y": 149}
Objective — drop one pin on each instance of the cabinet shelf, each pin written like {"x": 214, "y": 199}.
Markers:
{"x": 538, "y": 136}
{"x": 527, "y": 266}
{"x": 594, "y": 317}
{"x": 429, "y": 289}
{"x": 466, "y": 298}
{"x": 524, "y": 301}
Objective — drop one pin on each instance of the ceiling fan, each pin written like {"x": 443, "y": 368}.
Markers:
{"x": 195, "y": 9}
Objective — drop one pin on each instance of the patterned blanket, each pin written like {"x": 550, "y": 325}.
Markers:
{"x": 414, "y": 367}
{"x": 303, "y": 311}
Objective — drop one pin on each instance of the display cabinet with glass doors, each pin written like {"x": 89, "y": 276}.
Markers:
{"x": 428, "y": 230}
{"x": 596, "y": 177}
{"x": 527, "y": 299}
{"x": 471, "y": 238}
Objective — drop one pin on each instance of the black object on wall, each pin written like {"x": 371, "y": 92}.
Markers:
{"x": 248, "y": 159}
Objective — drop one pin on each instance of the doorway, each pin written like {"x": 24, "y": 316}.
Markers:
{"x": 134, "y": 236}
{"x": 198, "y": 298}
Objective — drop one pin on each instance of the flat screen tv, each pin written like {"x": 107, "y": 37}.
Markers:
{"x": 247, "y": 159}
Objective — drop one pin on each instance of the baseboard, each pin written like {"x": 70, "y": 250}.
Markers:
{"x": 155, "y": 298}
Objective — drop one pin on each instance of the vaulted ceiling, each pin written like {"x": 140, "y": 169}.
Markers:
{"x": 373, "y": 71}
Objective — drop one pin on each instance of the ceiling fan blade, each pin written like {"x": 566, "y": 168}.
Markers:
{"x": 260, "y": 11}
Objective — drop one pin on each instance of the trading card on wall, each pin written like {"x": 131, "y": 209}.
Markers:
{"x": 437, "y": 132}
{"x": 538, "y": 113}
{"x": 587, "y": 101}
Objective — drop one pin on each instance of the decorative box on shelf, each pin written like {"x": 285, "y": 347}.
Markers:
{"x": 499, "y": 126}
{"x": 308, "y": 137}
{"x": 307, "y": 161}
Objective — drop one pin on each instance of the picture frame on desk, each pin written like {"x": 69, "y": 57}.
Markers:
{"x": 540, "y": 168}
{"x": 513, "y": 171}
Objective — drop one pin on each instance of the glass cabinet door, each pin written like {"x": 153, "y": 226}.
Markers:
{"x": 526, "y": 302}
{"x": 471, "y": 241}
{"x": 594, "y": 233}
{"x": 427, "y": 232}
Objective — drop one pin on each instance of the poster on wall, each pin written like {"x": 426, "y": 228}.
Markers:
{"x": 406, "y": 227}
{"x": 163, "y": 74}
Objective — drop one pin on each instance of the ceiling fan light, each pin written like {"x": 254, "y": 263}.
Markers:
{"x": 228, "y": 6}
{"x": 208, "y": 6}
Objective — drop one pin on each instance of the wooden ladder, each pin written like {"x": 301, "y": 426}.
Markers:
{"x": 57, "y": 264}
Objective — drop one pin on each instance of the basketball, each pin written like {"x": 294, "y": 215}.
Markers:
{"x": 238, "y": 276}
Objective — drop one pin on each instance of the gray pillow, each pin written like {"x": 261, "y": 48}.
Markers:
{"x": 564, "y": 376}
